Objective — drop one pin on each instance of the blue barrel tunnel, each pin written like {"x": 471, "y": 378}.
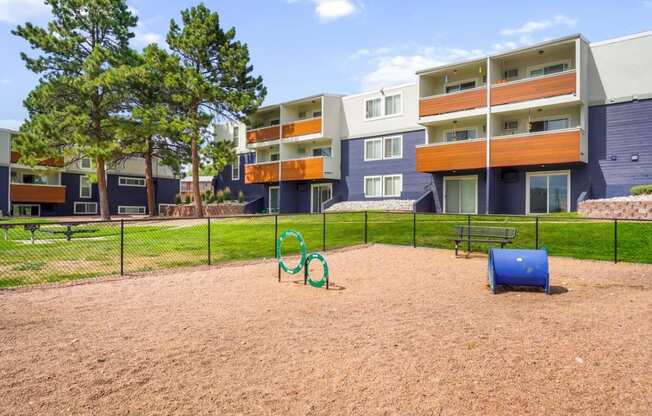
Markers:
{"x": 518, "y": 268}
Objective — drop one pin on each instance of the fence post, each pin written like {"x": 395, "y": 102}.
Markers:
{"x": 323, "y": 231}
{"x": 414, "y": 229}
{"x": 275, "y": 233}
{"x": 536, "y": 234}
{"x": 122, "y": 247}
{"x": 468, "y": 231}
{"x": 616, "y": 241}
{"x": 365, "y": 227}
{"x": 209, "y": 241}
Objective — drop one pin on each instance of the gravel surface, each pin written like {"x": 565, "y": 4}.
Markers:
{"x": 405, "y": 331}
{"x": 382, "y": 205}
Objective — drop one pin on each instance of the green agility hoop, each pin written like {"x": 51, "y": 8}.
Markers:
{"x": 324, "y": 277}
{"x": 302, "y": 247}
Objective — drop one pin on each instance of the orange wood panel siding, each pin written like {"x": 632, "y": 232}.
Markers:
{"x": 264, "y": 134}
{"x": 550, "y": 86}
{"x": 466, "y": 100}
{"x": 547, "y": 148}
{"x": 55, "y": 163}
{"x": 305, "y": 169}
{"x": 263, "y": 173}
{"x": 38, "y": 193}
{"x": 302, "y": 128}
{"x": 455, "y": 156}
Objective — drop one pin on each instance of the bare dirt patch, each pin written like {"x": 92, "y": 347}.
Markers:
{"x": 411, "y": 331}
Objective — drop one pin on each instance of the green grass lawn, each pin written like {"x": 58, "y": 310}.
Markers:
{"x": 167, "y": 244}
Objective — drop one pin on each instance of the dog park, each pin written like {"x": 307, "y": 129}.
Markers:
{"x": 204, "y": 320}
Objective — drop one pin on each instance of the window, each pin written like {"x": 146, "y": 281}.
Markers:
{"x": 85, "y": 187}
{"x": 392, "y": 185}
{"x": 235, "y": 169}
{"x": 554, "y": 123}
{"x": 373, "y": 186}
{"x": 372, "y": 108}
{"x": 316, "y": 114}
{"x": 373, "y": 149}
{"x": 462, "y": 134}
{"x": 393, "y": 147}
{"x": 322, "y": 151}
{"x": 383, "y": 186}
{"x": 274, "y": 122}
{"x": 383, "y": 148}
{"x": 124, "y": 181}
{"x": 319, "y": 193}
{"x": 548, "y": 192}
{"x": 125, "y": 210}
{"x": 26, "y": 210}
{"x": 460, "y": 86}
{"x": 86, "y": 163}
{"x": 302, "y": 115}
{"x": 393, "y": 104}
{"x": 273, "y": 205}
{"x": 163, "y": 209}
{"x": 34, "y": 178}
{"x": 511, "y": 73}
{"x": 85, "y": 208}
{"x": 510, "y": 126}
{"x": 274, "y": 157}
{"x": 548, "y": 69}
{"x": 236, "y": 136}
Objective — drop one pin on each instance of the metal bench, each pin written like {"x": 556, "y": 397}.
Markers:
{"x": 70, "y": 231}
{"x": 487, "y": 235}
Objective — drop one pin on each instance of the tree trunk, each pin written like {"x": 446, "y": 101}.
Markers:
{"x": 149, "y": 180}
{"x": 100, "y": 170}
{"x": 199, "y": 211}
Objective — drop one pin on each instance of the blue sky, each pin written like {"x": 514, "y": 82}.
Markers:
{"x": 303, "y": 47}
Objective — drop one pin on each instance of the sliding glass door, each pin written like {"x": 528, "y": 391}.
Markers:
{"x": 460, "y": 195}
{"x": 320, "y": 194}
{"x": 548, "y": 192}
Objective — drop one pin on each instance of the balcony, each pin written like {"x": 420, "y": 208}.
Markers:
{"x": 449, "y": 103}
{"x": 263, "y": 134}
{"x": 541, "y": 148}
{"x": 23, "y": 192}
{"x": 307, "y": 169}
{"x": 55, "y": 163}
{"x": 302, "y": 128}
{"x": 534, "y": 88}
{"x": 447, "y": 156}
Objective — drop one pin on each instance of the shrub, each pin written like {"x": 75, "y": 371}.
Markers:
{"x": 220, "y": 197}
{"x": 188, "y": 199}
{"x": 177, "y": 200}
{"x": 209, "y": 195}
{"x": 227, "y": 194}
{"x": 642, "y": 190}
{"x": 241, "y": 198}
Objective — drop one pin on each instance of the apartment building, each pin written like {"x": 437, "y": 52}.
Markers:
{"x": 58, "y": 187}
{"x": 532, "y": 130}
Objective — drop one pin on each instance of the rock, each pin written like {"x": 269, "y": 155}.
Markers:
{"x": 381, "y": 205}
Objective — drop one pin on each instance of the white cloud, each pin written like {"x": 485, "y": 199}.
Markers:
{"x": 539, "y": 25}
{"x": 5, "y": 81}
{"x": 18, "y": 11}
{"x": 10, "y": 124}
{"x": 329, "y": 10}
{"x": 142, "y": 36}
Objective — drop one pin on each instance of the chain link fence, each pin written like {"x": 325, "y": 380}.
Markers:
{"x": 34, "y": 253}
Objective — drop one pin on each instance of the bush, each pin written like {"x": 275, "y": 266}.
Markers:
{"x": 220, "y": 197}
{"x": 227, "y": 194}
{"x": 209, "y": 195}
{"x": 241, "y": 198}
{"x": 642, "y": 190}
{"x": 177, "y": 200}
{"x": 188, "y": 199}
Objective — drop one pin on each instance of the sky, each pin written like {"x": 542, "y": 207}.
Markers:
{"x": 306, "y": 47}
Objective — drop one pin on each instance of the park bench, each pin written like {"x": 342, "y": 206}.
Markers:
{"x": 487, "y": 235}
{"x": 70, "y": 230}
{"x": 6, "y": 228}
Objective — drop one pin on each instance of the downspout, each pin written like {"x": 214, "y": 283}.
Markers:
{"x": 280, "y": 156}
{"x": 488, "y": 152}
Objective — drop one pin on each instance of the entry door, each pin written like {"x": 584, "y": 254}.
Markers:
{"x": 460, "y": 196}
{"x": 273, "y": 199}
{"x": 320, "y": 194}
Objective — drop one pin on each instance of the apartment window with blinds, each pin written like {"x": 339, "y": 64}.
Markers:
{"x": 373, "y": 149}
{"x": 86, "y": 163}
{"x": 85, "y": 208}
{"x": 462, "y": 134}
{"x": 549, "y": 124}
{"x": 235, "y": 169}
{"x": 393, "y": 147}
{"x": 460, "y": 86}
{"x": 393, "y": 104}
{"x": 392, "y": 185}
{"x": 373, "y": 186}
{"x": 274, "y": 157}
{"x": 124, "y": 181}
{"x": 549, "y": 69}
{"x": 85, "y": 187}
{"x": 373, "y": 108}
{"x": 236, "y": 136}
{"x": 383, "y": 186}
{"x": 124, "y": 210}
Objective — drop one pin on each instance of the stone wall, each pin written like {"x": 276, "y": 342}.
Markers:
{"x": 617, "y": 208}
{"x": 214, "y": 210}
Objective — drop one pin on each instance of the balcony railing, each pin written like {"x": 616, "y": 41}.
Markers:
{"x": 23, "y": 192}
{"x": 302, "y": 127}
{"x": 457, "y": 101}
{"x": 447, "y": 156}
{"x": 291, "y": 170}
{"x": 55, "y": 163}
{"x": 541, "y": 148}
{"x": 263, "y": 134}
{"x": 534, "y": 88}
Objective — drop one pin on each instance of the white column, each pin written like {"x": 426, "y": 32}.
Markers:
{"x": 488, "y": 141}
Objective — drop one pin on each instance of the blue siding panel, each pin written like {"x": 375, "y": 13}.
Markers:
{"x": 4, "y": 190}
{"x": 224, "y": 179}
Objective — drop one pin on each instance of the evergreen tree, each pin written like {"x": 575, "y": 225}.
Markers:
{"x": 73, "y": 112}
{"x": 218, "y": 79}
